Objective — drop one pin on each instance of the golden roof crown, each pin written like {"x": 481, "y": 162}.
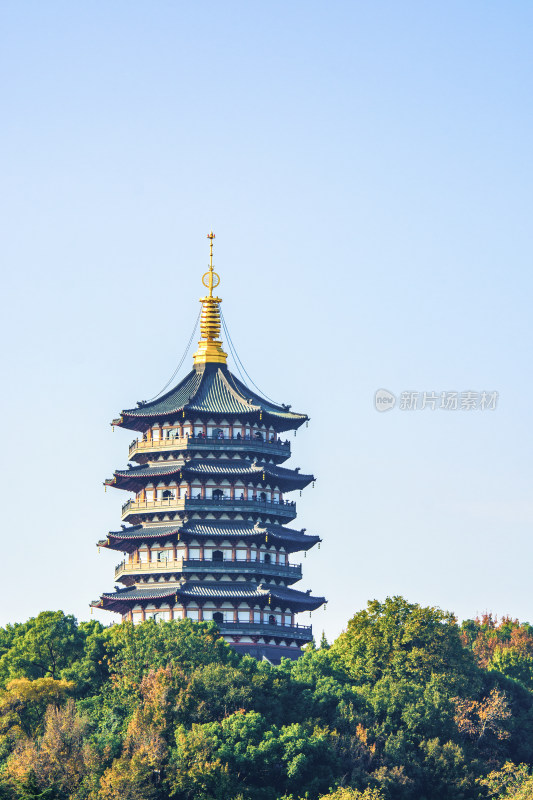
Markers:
{"x": 209, "y": 346}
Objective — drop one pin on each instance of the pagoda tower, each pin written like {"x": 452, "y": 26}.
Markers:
{"x": 205, "y": 534}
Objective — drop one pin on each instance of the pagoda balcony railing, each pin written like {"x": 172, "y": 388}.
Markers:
{"x": 278, "y": 630}
{"x": 293, "y": 571}
{"x": 251, "y": 443}
{"x": 285, "y": 508}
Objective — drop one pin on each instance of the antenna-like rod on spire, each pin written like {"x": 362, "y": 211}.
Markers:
{"x": 211, "y": 236}
{"x": 210, "y": 348}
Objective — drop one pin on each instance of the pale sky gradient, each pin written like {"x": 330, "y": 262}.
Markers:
{"x": 367, "y": 170}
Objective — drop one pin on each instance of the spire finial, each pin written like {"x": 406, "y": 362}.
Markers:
{"x": 211, "y": 275}
{"x": 210, "y": 348}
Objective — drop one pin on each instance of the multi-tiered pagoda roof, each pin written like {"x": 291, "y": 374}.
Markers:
{"x": 205, "y": 534}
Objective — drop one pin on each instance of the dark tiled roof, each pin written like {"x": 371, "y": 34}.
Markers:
{"x": 291, "y": 539}
{"x": 231, "y": 591}
{"x": 250, "y": 591}
{"x": 131, "y": 478}
{"x": 139, "y": 594}
{"x": 215, "y": 390}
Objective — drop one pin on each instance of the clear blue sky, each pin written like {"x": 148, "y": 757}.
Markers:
{"x": 367, "y": 170}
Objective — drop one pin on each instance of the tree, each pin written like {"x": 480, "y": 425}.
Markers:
{"x": 23, "y": 704}
{"x": 403, "y": 639}
{"x": 42, "y": 647}
{"x": 60, "y": 759}
{"x": 479, "y": 719}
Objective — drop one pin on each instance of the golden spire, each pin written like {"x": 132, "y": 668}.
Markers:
{"x": 210, "y": 347}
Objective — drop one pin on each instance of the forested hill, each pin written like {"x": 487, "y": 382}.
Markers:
{"x": 405, "y": 704}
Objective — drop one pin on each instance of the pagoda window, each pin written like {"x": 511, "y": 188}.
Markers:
{"x": 194, "y": 553}
{"x": 257, "y": 616}
{"x": 168, "y": 494}
{"x": 243, "y": 616}
{"x": 159, "y": 616}
{"x": 149, "y": 495}
{"x": 156, "y": 433}
{"x": 218, "y": 494}
{"x": 192, "y": 613}
{"x": 240, "y": 554}
{"x": 267, "y": 558}
{"x": 263, "y": 497}
{"x": 218, "y": 555}
{"x": 271, "y": 619}
{"x": 218, "y": 617}
{"x": 143, "y": 556}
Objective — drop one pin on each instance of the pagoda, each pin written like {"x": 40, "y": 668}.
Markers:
{"x": 205, "y": 535}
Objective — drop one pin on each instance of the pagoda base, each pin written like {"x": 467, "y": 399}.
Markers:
{"x": 271, "y": 652}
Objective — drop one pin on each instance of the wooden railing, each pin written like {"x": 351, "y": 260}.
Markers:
{"x": 267, "y": 629}
{"x": 209, "y": 565}
{"x": 211, "y": 503}
{"x": 181, "y": 443}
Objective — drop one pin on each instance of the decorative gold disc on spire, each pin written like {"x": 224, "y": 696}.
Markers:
{"x": 210, "y": 347}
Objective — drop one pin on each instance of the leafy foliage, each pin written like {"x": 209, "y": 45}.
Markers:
{"x": 404, "y": 705}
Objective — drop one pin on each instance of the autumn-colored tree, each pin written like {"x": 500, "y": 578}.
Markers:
{"x": 479, "y": 719}
{"x": 60, "y": 759}
{"x": 138, "y": 772}
{"x": 23, "y": 704}
{"x": 488, "y": 634}
{"x": 353, "y": 794}
{"x": 512, "y": 781}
